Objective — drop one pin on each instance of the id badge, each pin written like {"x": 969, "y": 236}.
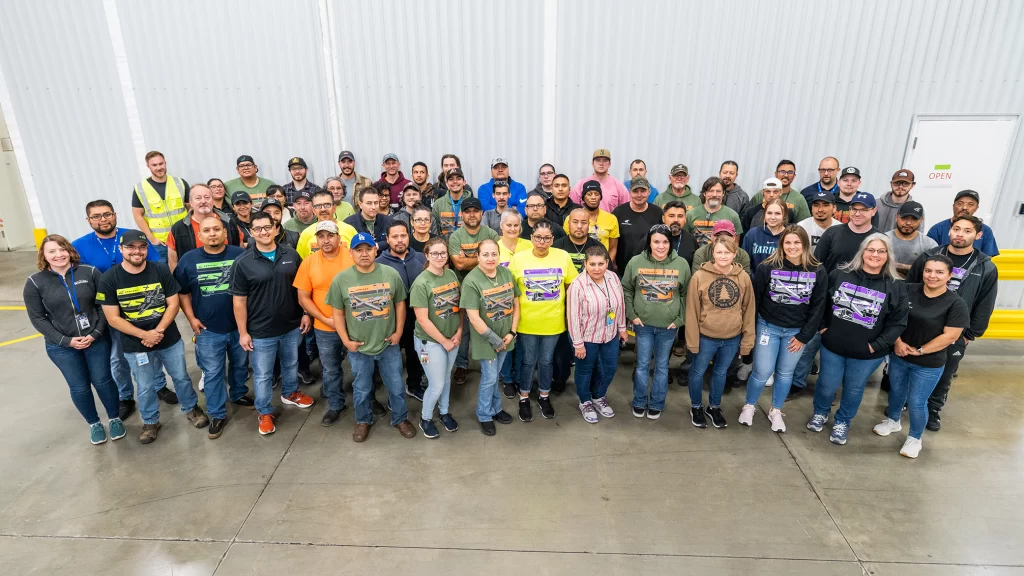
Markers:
{"x": 141, "y": 358}
{"x": 764, "y": 339}
{"x": 609, "y": 318}
{"x": 83, "y": 322}
{"x": 424, "y": 357}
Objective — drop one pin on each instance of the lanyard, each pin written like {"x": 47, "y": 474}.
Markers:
{"x": 72, "y": 292}
{"x": 456, "y": 206}
{"x": 117, "y": 240}
{"x": 832, "y": 191}
{"x": 680, "y": 241}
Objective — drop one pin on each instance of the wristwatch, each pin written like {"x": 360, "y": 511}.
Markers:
{"x": 919, "y": 351}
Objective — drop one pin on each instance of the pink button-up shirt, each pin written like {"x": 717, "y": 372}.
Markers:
{"x": 587, "y": 308}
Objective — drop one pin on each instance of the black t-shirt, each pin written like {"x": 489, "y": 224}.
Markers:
{"x": 633, "y": 229}
{"x": 272, "y": 305}
{"x": 142, "y": 299}
{"x": 525, "y": 230}
{"x": 839, "y": 245}
{"x": 928, "y": 318}
{"x": 685, "y": 245}
{"x": 161, "y": 189}
{"x": 416, "y": 244}
{"x": 576, "y": 251}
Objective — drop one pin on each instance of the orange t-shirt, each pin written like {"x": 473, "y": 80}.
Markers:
{"x": 315, "y": 275}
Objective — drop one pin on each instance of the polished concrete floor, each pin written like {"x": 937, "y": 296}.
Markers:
{"x": 559, "y": 496}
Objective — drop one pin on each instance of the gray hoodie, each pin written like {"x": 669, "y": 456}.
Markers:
{"x": 885, "y": 216}
{"x": 737, "y": 198}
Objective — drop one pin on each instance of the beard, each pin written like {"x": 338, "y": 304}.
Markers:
{"x": 676, "y": 229}
{"x": 714, "y": 203}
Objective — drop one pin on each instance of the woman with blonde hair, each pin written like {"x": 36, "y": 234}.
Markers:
{"x": 61, "y": 304}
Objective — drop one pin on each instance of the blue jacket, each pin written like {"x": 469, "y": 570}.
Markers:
{"x": 651, "y": 197}
{"x": 105, "y": 254}
{"x": 408, "y": 269}
{"x": 987, "y": 243}
{"x": 760, "y": 243}
{"x": 517, "y": 197}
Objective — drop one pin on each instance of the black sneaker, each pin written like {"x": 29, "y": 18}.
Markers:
{"x": 684, "y": 377}
{"x": 126, "y": 408}
{"x": 331, "y": 416}
{"x": 216, "y": 428}
{"x": 429, "y": 429}
{"x": 488, "y": 428}
{"x": 639, "y": 412}
{"x": 509, "y": 390}
{"x": 448, "y": 422}
{"x": 884, "y": 384}
{"x": 558, "y": 388}
{"x": 503, "y": 417}
{"x": 717, "y": 420}
{"x": 653, "y": 414}
{"x": 814, "y": 368}
{"x": 306, "y": 378}
{"x": 525, "y": 414}
{"x": 245, "y": 401}
{"x": 934, "y": 422}
{"x": 378, "y": 408}
{"x": 795, "y": 391}
{"x": 167, "y": 395}
{"x": 546, "y": 410}
{"x": 416, "y": 393}
{"x": 697, "y": 417}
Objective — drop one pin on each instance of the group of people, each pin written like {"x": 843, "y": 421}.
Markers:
{"x": 536, "y": 286}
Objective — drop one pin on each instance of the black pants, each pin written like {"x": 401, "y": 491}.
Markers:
{"x": 954, "y": 354}
{"x": 562, "y": 362}
{"x": 413, "y": 368}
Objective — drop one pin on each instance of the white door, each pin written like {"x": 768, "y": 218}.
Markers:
{"x": 952, "y": 153}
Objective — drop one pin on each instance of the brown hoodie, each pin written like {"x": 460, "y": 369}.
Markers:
{"x": 720, "y": 306}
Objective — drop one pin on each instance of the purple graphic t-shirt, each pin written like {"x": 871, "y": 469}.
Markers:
{"x": 792, "y": 287}
{"x": 857, "y": 304}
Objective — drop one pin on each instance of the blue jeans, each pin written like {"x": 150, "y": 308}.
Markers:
{"x": 722, "y": 351}
{"x": 803, "y": 366}
{"x": 911, "y": 384}
{"x": 389, "y": 362}
{"x": 84, "y": 370}
{"x": 771, "y": 356}
{"x": 606, "y": 358}
{"x": 850, "y": 373}
{"x": 536, "y": 350}
{"x": 488, "y": 400}
{"x": 656, "y": 341}
{"x": 214, "y": 351}
{"x": 122, "y": 371}
{"x": 150, "y": 378}
{"x": 508, "y": 367}
{"x": 162, "y": 251}
{"x": 439, "y": 376}
{"x": 332, "y": 353}
{"x": 265, "y": 351}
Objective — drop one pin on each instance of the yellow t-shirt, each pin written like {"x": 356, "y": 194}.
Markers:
{"x": 606, "y": 227}
{"x": 343, "y": 210}
{"x": 542, "y": 285}
{"x": 505, "y": 256}
{"x": 308, "y": 243}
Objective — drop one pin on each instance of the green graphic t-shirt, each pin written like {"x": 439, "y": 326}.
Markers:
{"x": 493, "y": 299}
{"x": 440, "y": 296}
{"x": 369, "y": 304}
{"x": 469, "y": 244}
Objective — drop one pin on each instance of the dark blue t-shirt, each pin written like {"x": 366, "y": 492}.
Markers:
{"x": 205, "y": 278}
{"x": 105, "y": 253}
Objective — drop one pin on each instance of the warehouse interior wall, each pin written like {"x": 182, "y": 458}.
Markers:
{"x": 695, "y": 81}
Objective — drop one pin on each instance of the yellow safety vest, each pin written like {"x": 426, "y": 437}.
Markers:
{"x": 161, "y": 213}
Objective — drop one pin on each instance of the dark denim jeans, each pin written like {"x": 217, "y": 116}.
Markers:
{"x": 84, "y": 370}
{"x": 332, "y": 353}
{"x": 219, "y": 354}
{"x": 911, "y": 385}
{"x": 657, "y": 342}
{"x": 722, "y": 351}
{"x": 389, "y": 362}
{"x": 537, "y": 351}
{"x": 603, "y": 356}
{"x": 803, "y": 366}
{"x": 266, "y": 351}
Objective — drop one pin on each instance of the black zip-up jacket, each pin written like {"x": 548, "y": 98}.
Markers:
{"x": 977, "y": 289}
{"x": 863, "y": 309}
{"x": 185, "y": 236}
{"x": 272, "y": 303}
{"x": 791, "y": 297}
{"x": 557, "y": 214}
{"x": 51, "y": 310}
{"x": 289, "y": 238}
{"x": 381, "y": 223}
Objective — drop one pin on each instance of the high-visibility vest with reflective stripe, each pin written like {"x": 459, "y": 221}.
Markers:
{"x": 161, "y": 213}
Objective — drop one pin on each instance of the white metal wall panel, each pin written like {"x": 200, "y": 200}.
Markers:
{"x": 421, "y": 79}
{"x": 59, "y": 70}
{"x": 215, "y": 80}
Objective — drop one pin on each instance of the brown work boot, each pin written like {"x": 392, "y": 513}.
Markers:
{"x": 149, "y": 433}
{"x": 361, "y": 432}
{"x": 679, "y": 349}
{"x": 406, "y": 429}
{"x": 197, "y": 418}
{"x": 459, "y": 378}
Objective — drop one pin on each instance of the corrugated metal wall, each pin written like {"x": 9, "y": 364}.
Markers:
{"x": 694, "y": 81}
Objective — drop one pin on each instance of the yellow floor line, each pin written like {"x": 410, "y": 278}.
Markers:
{"x": 12, "y": 307}
{"x": 16, "y": 340}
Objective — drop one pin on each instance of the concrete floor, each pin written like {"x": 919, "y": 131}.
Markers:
{"x": 558, "y": 496}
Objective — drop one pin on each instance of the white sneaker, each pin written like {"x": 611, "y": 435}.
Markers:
{"x": 589, "y": 412}
{"x": 775, "y": 417}
{"x": 202, "y": 381}
{"x": 886, "y": 427}
{"x": 911, "y": 448}
{"x": 771, "y": 380}
{"x": 601, "y": 404}
{"x": 747, "y": 415}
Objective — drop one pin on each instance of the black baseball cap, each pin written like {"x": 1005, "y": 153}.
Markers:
{"x": 454, "y": 172}
{"x": 912, "y": 209}
{"x": 133, "y": 236}
{"x": 821, "y": 196}
{"x": 271, "y": 202}
{"x": 970, "y": 193}
{"x": 240, "y": 196}
{"x": 296, "y": 161}
{"x": 346, "y": 154}
{"x": 244, "y": 158}
{"x": 850, "y": 171}
{"x": 472, "y": 203}
{"x": 304, "y": 193}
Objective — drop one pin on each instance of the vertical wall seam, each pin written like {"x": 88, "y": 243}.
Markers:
{"x": 550, "y": 90}
{"x": 330, "y": 62}
{"x": 20, "y": 156}
{"x": 124, "y": 75}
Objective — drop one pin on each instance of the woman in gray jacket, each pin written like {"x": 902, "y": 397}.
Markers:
{"x": 61, "y": 303}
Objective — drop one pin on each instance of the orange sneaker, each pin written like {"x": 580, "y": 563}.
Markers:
{"x": 298, "y": 399}
{"x": 267, "y": 424}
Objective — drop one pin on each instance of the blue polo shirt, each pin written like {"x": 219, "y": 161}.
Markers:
{"x": 105, "y": 253}
{"x": 987, "y": 243}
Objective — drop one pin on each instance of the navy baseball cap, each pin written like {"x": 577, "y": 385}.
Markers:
{"x": 863, "y": 198}
{"x": 360, "y": 239}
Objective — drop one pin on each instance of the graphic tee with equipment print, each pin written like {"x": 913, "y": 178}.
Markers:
{"x": 368, "y": 301}
{"x": 142, "y": 299}
{"x": 542, "y": 283}
{"x": 493, "y": 298}
{"x": 440, "y": 296}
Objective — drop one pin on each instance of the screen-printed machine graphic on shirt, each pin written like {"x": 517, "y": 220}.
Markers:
{"x": 498, "y": 302}
{"x": 657, "y": 284}
{"x": 857, "y": 304}
{"x": 370, "y": 301}
{"x": 446, "y": 300}
{"x": 542, "y": 284}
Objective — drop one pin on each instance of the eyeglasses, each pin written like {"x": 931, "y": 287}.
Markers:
{"x": 246, "y": 165}
{"x": 547, "y": 173}
{"x": 104, "y": 216}
{"x": 876, "y": 250}
{"x": 543, "y": 238}
{"x": 828, "y": 170}
{"x": 901, "y": 183}
{"x": 859, "y": 210}
{"x": 262, "y": 229}
{"x": 135, "y": 247}
{"x": 437, "y": 254}
{"x": 323, "y": 206}
{"x": 534, "y": 205}
{"x": 216, "y": 186}
{"x": 421, "y": 220}
{"x": 786, "y": 172}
